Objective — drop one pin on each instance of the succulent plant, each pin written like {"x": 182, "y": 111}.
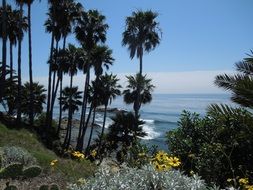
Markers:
{"x": 54, "y": 187}
{"x": 44, "y": 187}
{"x": 11, "y": 171}
{"x": 32, "y": 171}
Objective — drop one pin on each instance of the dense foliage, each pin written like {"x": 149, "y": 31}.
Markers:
{"x": 218, "y": 146}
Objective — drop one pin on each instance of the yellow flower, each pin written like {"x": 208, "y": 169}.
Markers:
{"x": 174, "y": 161}
{"x": 93, "y": 153}
{"x": 192, "y": 172}
{"x": 249, "y": 187}
{"x": 229, "y": 180}
{"x": 81, "y": 181}
{"x": 244, "y": 181}
{"x": 142, "y": 154}
{"x": 53, "y": 162}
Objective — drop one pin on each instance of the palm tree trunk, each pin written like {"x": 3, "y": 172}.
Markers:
{"x": 81, "y": 118}
{"x": 19, "y": 67}
{"x": 11, "y": 61}
{"x": 4, "y": 50}
{"x": 87, "y": 122}
{"x": 60, "y": 106}
{"x": 61, "y": 79}
{"x": 70, "y": 112}
{"x": 79, "y": 145}
{"x": 102, "y": 133}
{"x": 48, "y": 120}
{"x": 91, "y": 131}
{"x": 53, "y": 89}
{"x": 30, "y": 66}
{"x": 137, "y": 103}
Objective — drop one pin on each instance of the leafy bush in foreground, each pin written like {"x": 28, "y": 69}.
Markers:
{"x": 136, "y": 179}
{"x": 217, "y": 147}
{"x": 13, "y": 154}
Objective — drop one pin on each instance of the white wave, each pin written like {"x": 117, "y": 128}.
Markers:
{"x": 149, "y": 121}
{"x": 151, "y": 133}
{"x": 100, "y": 118}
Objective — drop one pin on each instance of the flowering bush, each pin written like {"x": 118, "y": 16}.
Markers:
{"x": 136, "y": 179}
{"x": 78, "y": 155}
{"x": 162, "y": 161}
{"x": 217, "y": 146}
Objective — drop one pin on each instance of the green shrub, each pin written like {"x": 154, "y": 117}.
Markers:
{"x": 11, "y": 171}
{"x": 136, "y": 179}
{"x": 32, "y": 171}
{"x": 218, "y": 146}
{"x": 14, "y": 154}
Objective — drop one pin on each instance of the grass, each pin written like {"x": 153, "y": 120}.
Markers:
{"x": 69, "y": 170}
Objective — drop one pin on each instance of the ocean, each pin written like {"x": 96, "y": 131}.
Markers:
{"x": 163, "y": 113}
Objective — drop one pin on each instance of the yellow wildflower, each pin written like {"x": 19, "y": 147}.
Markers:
{"x": 81, "y": 181}
{"x": 93, "y": 153}
{"x": 192, "y": 172}
{"x": 244, "y": 181}
{"x": 174, "y": 161}
{"x": 142, "y": 154}
{"x": 229, "y": 180}
{"x": 249, "y": 187}
{"x": 53, "y": 162}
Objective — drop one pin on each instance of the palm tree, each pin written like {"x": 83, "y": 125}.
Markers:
{"x": 95, "y": 100}
{"x": 240, "y": 84}
{"x": 101, "y": 56}
{"x": 145, "y": 89}
{"x": 29, "y": 3}
{"x": 70, "y": 100}
{"x": 109, "y": 89}
{"x": 142, "y": 33}
{"x": 69, "y": 13}
{"x": 91, "y": 29}
{"x": 4, "y": 37}
{"x": 20, "y": 37}
{"x": 39, "y": 98}
{"x": 124, "y": 130}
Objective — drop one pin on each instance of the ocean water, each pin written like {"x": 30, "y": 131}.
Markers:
{"x": 163, "y": 113}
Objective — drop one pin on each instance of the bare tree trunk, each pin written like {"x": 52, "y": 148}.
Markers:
{"x": 4, "y": 50}
{"x": 48, "y": 120}
{"x": 19, "y": 66}
{"x": 31, "y": 115}
{"x": 80, "y": 140}
{"x": 11, "y": 61}
{"x": 102, "y": 134}
{"x": 91, "y": 130}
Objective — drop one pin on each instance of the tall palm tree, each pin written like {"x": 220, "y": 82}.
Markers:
{"x": 101, "y": 57}
{"x": 145, "y": 89}
{"x": 142, "y": 34}
{"x": 70, "y": 101}
{"x": 240, "y": 84}
{"x": 20, "y": 37}
{"x": 110, "y": 89}
{"x": 29, "y": 4}
{"x": 12, "y": 34}
{"x": 69, "y": 11}
{"x": 95, "y": 100}
{"x": 4, "y": 37}
{"x": 90, "y": 30}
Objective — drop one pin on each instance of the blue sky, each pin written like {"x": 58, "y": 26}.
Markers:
{"x": 198, "y": 35}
